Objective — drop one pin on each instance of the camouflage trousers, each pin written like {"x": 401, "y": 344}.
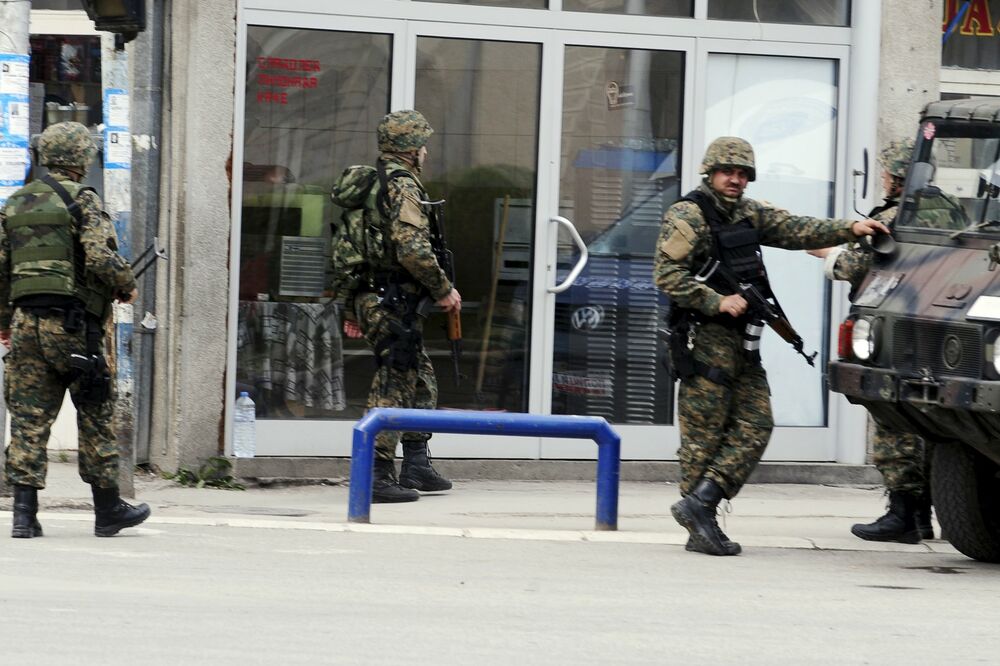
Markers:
{"x": 404, "y": 376}
{"x": 724, "y": 429}
{"x": 35, "y": 381}
{"x": 902, "y": 460}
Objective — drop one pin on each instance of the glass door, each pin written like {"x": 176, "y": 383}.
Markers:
{"x": 619, "y": 170}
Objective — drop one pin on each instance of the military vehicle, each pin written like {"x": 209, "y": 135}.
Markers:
{"x": 921, "y": 346}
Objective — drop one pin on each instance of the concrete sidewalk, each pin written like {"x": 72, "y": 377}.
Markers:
{"x": 764, "y": 515}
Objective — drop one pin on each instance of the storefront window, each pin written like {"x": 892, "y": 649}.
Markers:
{"x": 971, "y": 34}
{"x": 482, "y": 98}
{"x": 814, "y": 12}
{"x": 787, "y": 109}
{"x": 522, "y": 4}
{"x": 639, "y": 7}
{"x": 621, "y": 131}
{"x": 65, "y": 80}
{"x": 313, "y": 101}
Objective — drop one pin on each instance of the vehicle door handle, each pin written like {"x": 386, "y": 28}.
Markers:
{"x": 581, "y": 262}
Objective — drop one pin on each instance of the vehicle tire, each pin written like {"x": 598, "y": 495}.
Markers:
{"x": 966, "y": 492}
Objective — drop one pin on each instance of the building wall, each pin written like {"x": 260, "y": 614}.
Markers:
{"x": 194, "y": 217}
{"x": 910, "y": 65}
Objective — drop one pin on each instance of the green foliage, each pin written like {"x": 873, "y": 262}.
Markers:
{"x": 215, "y": 473}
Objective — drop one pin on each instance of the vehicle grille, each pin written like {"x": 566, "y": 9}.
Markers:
{"x": 921, "y": 344}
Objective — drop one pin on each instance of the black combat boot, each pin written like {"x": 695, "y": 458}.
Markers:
{"x": 25, "y": 513}
{"x": 113, "y": 514}
{"x": 385, "y": 488}
{"x": 696, "y": 513}
{"x": 924, "y": 516}
{"x": 417, "y": 472}
{"x": 898, "y": 524}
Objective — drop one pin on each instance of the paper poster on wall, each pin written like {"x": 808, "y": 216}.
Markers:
{"x": 14, "y": 74}
{"x": 117, "y": 139}
{"x": 116, "y": 108}
{"x": 13, "y": 122}
{"x": 117, "y": 150}
{"x": 13, "y": 166}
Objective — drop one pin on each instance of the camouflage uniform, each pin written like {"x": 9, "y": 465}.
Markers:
{"x": 899, "y": 457}
{"x": 404, "y": 376}
{"x": 724, "y": 430}
{"x": 37, "y": 367}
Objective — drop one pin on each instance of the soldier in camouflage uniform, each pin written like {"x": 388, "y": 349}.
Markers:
{"x": 724, "y": 401}
{"x": 386, "y": 314}
{"x": 59, "y": 273}
{"x": 899, "y": 457}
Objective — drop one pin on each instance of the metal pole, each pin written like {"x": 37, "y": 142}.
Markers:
{"x": 147, "y": 110}
{"x": 362, "y": 463}
{"x": 15, "y": 18}
{"x": 483, "y": 423}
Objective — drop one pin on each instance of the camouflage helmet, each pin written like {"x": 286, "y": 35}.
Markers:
{"x": 403, "y": 131}
{"x": 729, "y": 151}
{"x": 68, "y": 145}
{"x": 895, "y": 157}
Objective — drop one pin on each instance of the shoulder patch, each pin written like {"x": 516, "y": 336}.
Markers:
{"x": 680, "y": 242}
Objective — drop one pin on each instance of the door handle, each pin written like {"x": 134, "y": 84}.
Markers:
{"x": 581, "y": 262}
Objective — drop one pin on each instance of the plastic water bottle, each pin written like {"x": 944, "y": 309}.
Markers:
{"x": 244, "y": 427}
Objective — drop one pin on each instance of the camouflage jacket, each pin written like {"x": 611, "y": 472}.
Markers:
{"x": 100, "y": 249}
{"x": 852, "y": 261}
{"x": 685, "y": 243}
{"x": 410, "y": 230}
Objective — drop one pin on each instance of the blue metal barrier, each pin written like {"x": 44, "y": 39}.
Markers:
{"x": 485, "y": 423}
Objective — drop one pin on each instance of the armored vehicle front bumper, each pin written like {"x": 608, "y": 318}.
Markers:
{"x": 936, "y": 408}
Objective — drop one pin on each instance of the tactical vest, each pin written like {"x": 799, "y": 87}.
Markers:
{"x": 46, "y": 254}
{"x": 737, "y": 246}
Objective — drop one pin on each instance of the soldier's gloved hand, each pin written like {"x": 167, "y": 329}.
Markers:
{"x": 351, "y": 329}
{"x": 5, "y": 337}
{"x": 451, "y": 302}
{"x": 868, "y": 227}
{"x": 734, "y": 305}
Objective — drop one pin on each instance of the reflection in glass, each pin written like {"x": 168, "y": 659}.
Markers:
{"x": 620, "y": 172}
{"x": 956, "y": 183}
{"x": 638, "y": 7}
{"x": 787, "y": 109}
{"x": 482, "y": 99}
{"x": 814, "y": 12}
{"x": 526, "y": 4}
{"x": 313, "y": 100}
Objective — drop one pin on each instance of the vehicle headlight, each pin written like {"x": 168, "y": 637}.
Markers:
{"x": 992, "y": 353}
{"x": 864, "y": 338}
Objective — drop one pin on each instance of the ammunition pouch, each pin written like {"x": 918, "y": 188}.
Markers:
{"x": 682, "y": 364}
{"x": 401, "y": 344}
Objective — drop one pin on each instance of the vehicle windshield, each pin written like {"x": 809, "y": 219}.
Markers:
{"x": 954, "y": 183}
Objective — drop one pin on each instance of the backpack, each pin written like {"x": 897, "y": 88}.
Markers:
{"x": 360, "y": 244}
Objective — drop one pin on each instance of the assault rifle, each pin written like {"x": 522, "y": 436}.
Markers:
{"x": 768, "y": 311}
{"x": 447, "y": 262}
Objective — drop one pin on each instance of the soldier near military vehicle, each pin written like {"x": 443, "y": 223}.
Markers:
{"x": 900, "y": 457}
{"x": 724, "y": 400}
{"x": 388, "y": 306}
{"x": 60, "y": 271}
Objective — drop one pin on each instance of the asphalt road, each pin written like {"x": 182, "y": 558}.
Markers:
{"x": 184, "y": 592}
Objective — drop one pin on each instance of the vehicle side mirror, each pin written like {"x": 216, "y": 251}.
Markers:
{"x": 863, "y": 172}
